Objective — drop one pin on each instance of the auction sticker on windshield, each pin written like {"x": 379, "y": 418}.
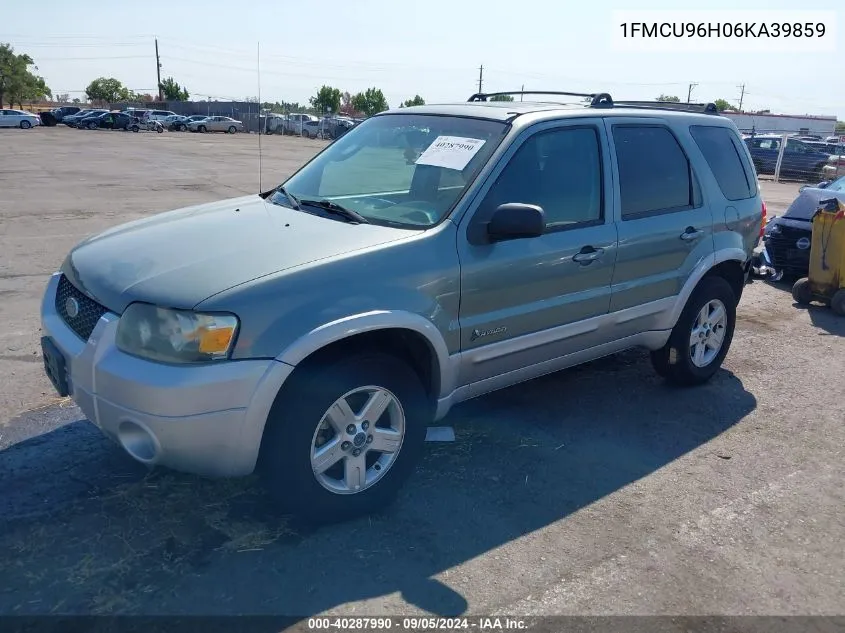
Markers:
{"x": 450, "y": 152}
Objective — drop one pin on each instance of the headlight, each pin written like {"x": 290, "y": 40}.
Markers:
{"x": 175, "y": 336}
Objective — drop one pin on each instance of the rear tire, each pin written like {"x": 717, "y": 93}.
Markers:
{"x": 232, "y": 129}
{"x": 25, "y": 125}
{"x": 702, "y": 336}
{"x": 802, "y": 292}
{"x": 837, "y": 302}
{"x": 297, "y": 426}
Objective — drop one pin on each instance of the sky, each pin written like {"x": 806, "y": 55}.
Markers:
{"x": 432, "y": 48}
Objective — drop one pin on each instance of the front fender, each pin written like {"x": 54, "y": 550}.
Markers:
{"x": 340, "y": 329}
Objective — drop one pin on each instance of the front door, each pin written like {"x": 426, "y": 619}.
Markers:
{"x": 527, "y": 301}
{"x": 665, "y": 226}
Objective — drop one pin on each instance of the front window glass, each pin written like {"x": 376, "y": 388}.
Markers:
{"x": 398, "y": 169}
{"x": 837, "y": 185}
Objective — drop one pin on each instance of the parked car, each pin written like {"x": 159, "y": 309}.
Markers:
{"x": 159, "y": 115}
{"x": 62, "y": 112}
{"x": 180, "y": 123}
{"x": 18, "y": 118}
{"x": 216, "y": 124}
{"x": 73, "y": 119}
{"x": 295, "y": 123}
{"x": 313, "y": 332}
{"x": 787, "y": 238}
{"x": 800, "y": 161}
{"x": 90, "y": 121}
{"x": 109, "y": 121}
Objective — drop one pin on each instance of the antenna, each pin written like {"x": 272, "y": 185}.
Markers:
{"x": 258, "y": 122}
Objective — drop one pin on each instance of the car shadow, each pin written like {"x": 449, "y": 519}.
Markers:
{"x": 822, "y": 317}
{"x": 85, "y": 530}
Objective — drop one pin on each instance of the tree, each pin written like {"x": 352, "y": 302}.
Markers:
{"x": 722, "y": 105}
{"x": 671, "y": 98}
{"x": 172, "y": 91}
{"x": 370, "y": 102}
{"x": 76, "y": 100}
{"x": 416, "y": 101}
{"x": 63, "y": 97}
{"x": 31, "y": 88}
{"x": 501, "y": 98}
{"x": 840, "y": 127}
{"x": 14, "y": 73}
{"x": 107, "y": 89}
{"x": 327, "y": 99}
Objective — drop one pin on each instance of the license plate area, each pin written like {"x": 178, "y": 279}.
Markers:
{"x": 55, "y": 366}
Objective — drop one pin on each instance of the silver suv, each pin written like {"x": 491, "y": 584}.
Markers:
{"x": 430, "y": 255}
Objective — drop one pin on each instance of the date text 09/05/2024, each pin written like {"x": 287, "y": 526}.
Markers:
{"x": 417, "y": 624}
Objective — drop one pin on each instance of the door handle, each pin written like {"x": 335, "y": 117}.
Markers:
{"x": 690, "y": 234}
{"x": 587, "y": 255}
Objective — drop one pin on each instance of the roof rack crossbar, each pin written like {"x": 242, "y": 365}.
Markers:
{"x": 484, "y": 96}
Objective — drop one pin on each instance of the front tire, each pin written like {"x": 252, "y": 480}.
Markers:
{"x": 702, "y": 336}
{"x": 837, "y": 302}
{"x": 25, "y": 125}
{"x": 232, "y": 129}
{"x": 202, "y": 129}
{"x": 343, "y": 436}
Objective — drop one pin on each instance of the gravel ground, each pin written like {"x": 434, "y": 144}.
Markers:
{"x": 596, "y": 490}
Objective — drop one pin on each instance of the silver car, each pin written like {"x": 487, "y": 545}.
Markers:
{"x": 216, "y": 124}
{"x": 18, "y": 118}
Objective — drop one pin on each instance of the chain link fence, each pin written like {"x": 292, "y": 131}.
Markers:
{"x": 796, "y": 156}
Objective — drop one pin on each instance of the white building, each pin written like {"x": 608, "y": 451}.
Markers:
{"x": 803, "y": 124}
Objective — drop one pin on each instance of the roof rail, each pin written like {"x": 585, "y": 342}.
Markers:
{"x": 604, "y": 100}
{"x": 705, "y": 108}
{"x": 484, "y": 96}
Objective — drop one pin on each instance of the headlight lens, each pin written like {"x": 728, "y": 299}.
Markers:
{"x": 176, "y": 336}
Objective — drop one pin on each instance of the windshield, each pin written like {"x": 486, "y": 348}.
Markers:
{"x": 404, "y": 170}
{"x": 837, "y": 185}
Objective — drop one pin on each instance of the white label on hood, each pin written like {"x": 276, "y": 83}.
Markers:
{"x": 450, "y": 152}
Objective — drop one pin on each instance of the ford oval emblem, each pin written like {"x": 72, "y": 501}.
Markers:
{"x": 803, "y": 243}
{"x": 72, "y": 307}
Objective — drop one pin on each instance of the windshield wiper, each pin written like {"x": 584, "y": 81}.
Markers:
{"x": 291, "y": 198}
{"x": 333, "y": 207}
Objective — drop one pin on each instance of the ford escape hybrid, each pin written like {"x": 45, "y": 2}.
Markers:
{"x": 431, "y": 255}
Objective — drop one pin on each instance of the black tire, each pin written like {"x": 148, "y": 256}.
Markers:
{"x": 802, "y": 292}
{"x": 202, "y": 129}
{"x": 837, "y": 302}
{"x": 673, "y": 361}
{"x": 285, "y": 456}
{"x": 135, "y": 128}
{"x": 232, "y": 129}
{"x": 25, "y": 125}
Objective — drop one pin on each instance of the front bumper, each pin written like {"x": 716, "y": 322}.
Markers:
{"x": 203, "y": 419}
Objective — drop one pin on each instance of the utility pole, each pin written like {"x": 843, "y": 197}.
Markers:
{"x": 158, "y": 72}
{"x": 522, "y": 90}
{"x": 689, "y": 92}
{"x": 480, "y": 77}
{"x": 741, "y": 96}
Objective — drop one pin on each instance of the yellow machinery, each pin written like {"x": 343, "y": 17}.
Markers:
{"x": 826, "y": 281}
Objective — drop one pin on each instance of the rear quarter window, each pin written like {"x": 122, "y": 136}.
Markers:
{"x": 726, "y": 158}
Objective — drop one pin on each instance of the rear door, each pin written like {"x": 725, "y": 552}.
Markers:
{"x": 664, "y": 222}
{"x": 764, "y": 153}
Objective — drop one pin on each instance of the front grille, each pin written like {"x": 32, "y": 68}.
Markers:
{"x": 89, "y": 311}
{"x": 784, "y": 252}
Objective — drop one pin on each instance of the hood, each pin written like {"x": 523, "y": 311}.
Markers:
{"x": 178, "y": 259}
{"x": 804, "y": 207}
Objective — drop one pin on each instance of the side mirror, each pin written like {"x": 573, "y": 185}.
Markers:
{"x": 823, "y": 184}
{"x": 515, "y": 221}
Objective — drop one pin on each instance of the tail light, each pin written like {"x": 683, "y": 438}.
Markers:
{"x": 763, "y": 221}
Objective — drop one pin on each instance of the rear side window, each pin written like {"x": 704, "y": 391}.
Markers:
{"x": 654, "y": 172}
{"x": 724, "y": 155}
